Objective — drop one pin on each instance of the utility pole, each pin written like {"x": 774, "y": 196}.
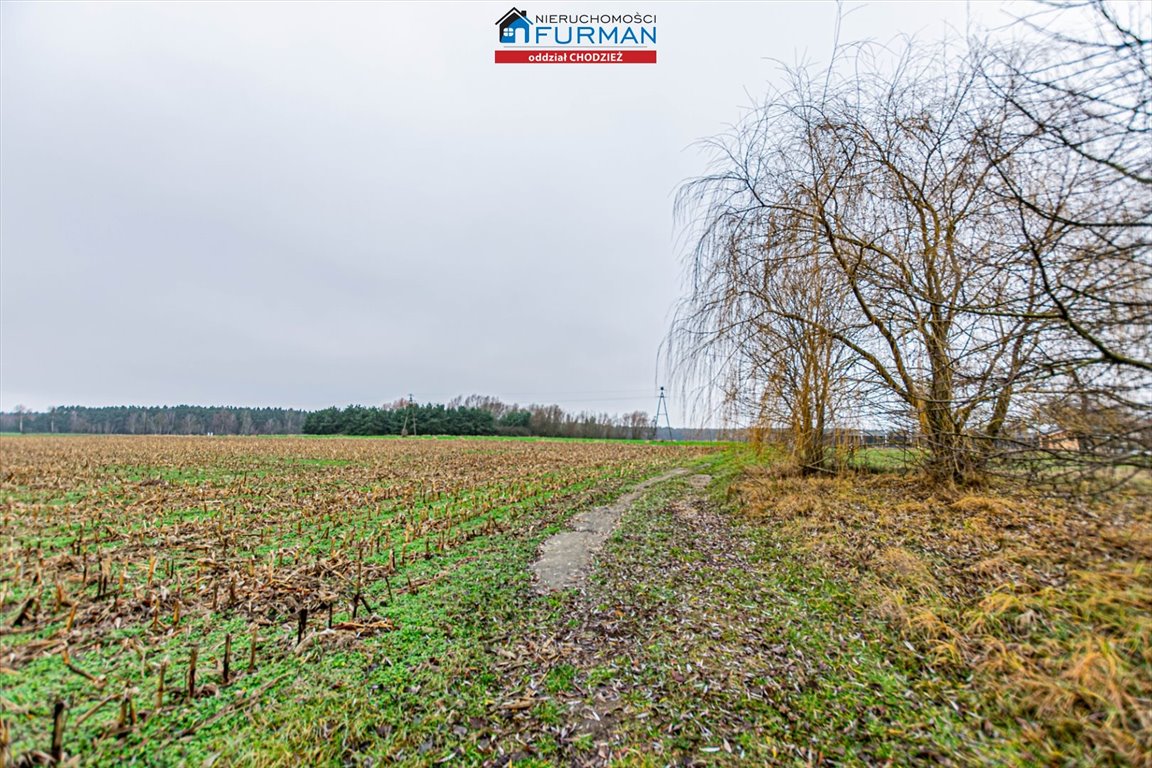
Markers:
{"x": 409, "y": 416}
{"x": 661, "y": 407}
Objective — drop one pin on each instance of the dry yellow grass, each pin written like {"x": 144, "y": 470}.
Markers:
{"x": 1046, "y": 603}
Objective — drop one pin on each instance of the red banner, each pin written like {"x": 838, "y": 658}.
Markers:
{"x": 552, "y": 56}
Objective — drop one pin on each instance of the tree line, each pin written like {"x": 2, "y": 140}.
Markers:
{"x": 951, "y": 240}
{"x": 156, "y": 420}
{"x": 473, "y": 415}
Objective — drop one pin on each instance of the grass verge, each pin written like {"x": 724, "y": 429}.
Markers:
{"x": 1038, "y": 606}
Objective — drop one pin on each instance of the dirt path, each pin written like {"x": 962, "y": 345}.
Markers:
{"x": 704, "y": 641}
{"x": 655, "y": 649}
{"x": 566, "y": 557}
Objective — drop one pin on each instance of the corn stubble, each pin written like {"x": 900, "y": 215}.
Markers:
{"x": 203, "y": 549}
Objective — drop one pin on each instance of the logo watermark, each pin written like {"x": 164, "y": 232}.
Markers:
{"x": 576, "y": 38}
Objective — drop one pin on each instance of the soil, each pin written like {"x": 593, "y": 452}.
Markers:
{"x": 567, "y": 557}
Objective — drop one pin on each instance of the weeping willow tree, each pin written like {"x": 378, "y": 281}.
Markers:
{"x": 741, "y": 331}
{"x": 851, "y": 258}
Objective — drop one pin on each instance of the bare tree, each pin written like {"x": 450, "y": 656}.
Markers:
{"x": 787, "y": 377}
{"x": 876, "y": 183}
{"x": 1079, "y": 93}
{"x": 1083, "y": 99}
{"x": 638, "y": 424}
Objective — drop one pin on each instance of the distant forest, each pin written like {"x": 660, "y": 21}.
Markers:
{"x": 473, "y": 415}
{"x": 157, "y": 420}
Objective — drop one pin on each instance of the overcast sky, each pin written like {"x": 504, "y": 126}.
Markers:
{"x": 308, "y": 204}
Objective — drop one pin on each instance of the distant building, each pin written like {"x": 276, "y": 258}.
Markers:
{"x": 1058, "y": 440}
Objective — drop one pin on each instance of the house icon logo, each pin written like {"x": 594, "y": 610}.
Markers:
{"x": 511, "y": 24}
{"x": 575, "y": 38}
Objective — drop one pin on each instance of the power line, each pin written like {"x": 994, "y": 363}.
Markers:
{"x": 558, "y": 395}
{"x": 573, "y": 397}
